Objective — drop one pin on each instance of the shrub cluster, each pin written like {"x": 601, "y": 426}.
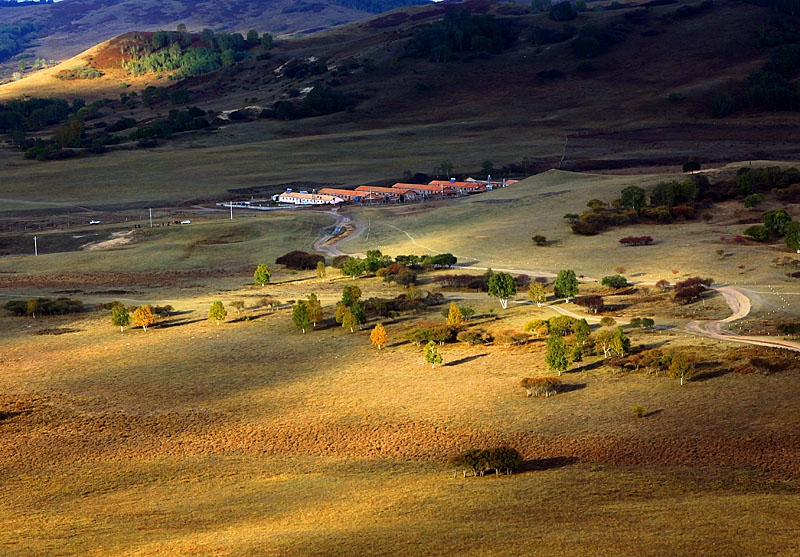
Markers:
{"x": 690, "y": 290}
{"x": 503, "y": 460}
{"x": 82, "y": 72}
{"x": 424, "y": 333}
{"x": 592, "y": 303}
{"x": 299, "y": 260}
{"x": 636, "y": 240}
{"x": 478, "y": 283}
{"x": 614, "y": 281}
{"x": 458, "y": 32}
{"x": 541, "y": 386}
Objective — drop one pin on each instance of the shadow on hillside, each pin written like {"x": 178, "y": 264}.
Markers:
{"x": 712, "y": 374}
{"x": 465, "y": 360}
{"x": 552, "y": 463}
{"x": 398, "y": 343}
{"x": 653, "y": 413}
{"x": 7, "y": 415}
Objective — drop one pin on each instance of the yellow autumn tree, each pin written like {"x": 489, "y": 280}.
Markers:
{"x": 143, "y": 317}
{"x": 454, "y": 317}
{"x": 378, "y": 336}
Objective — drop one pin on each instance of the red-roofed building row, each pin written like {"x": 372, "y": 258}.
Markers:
{"x": 424, "y": 190}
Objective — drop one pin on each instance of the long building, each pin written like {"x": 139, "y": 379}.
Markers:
{"x": 389, "y": 194}
{"x": 299, "y": 198}
{"x": 424, "y": 190}
{"x": 348, "y": 195}
{"x": 460, "y": 187}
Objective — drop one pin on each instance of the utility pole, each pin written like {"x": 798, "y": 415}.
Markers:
{"x": 35, "y": 247}
{"x": 231, "y": 210}
{"x": 151, "y": 218}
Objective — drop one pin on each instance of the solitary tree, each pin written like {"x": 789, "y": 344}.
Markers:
{"x": 314, "y": 309}
{"x": 447, "y": 168}
{"x": 566, "y": 285}
{"x": 321, "y": 272}
{"x": 262, "y": 275}
{"x": 557, "y": 356}
{"x": 300, "y": 316}
{"x": 340, "y": 311}
{"x": 432, "y": 355}
{"x": 359, "y": 313}
{"x": 502, "y": 286}
{"x": 143, "y": 317}
{"x": 454, "y": 316}
{"x": 681, "y": 368}
{"x": 792, "y": 238}
{"x": 378, "y": 336}
{"x": 537, "y": 293}
{"x": 349, "y": 320}
{"x": 217, "y": 312}
{"x": 353, "y": 267}
{"x": 582, "y": 332}
{"x": 120, "y": 317}
{"x": 238, "y": 305}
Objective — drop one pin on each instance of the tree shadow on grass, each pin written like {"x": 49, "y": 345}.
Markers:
{"x": 569, "y": 387}
{"x": 398, "y": 343}
{"x": 552, "y": 463}
{"x": 711, "y": 374}
{"x": 653, "y": 413}
{"x": 177, "y": 323}
{"x": 587, "y": 367}
{"x": 465, "y": 360}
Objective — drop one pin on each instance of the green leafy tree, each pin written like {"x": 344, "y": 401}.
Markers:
{"x": 620, "y": 343}
{"x": 557, "y": 356}
{"x": 300, "y": 316}
{"x": 314, "y": 309}
{"x": 502, "y": 286}
{"x": 262, "y": 275}
{"x": 537, "y": 293}
{"x": 120, "y": 317}
{"x": 432, "y": 355}
{"x": 614, "y": 281}
{"x": 633, "y": 197}
{"x": 566, "y": 285}
{"x": 757, "y": 232}
{"x": 776, "y": 221}
{"x": 792, "y": 237}
{"x": 582, "y": 332}
{"x": 359, "y": 313}
{"x": 252, "y": 37}
{"x": 266, "y": 41}
{"x": 353, "y": 267}
{"x": 376, "y": 260}
{"x": 217, "y": 312}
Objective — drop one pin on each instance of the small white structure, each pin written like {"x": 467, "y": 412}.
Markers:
{"x": 302, "y": 198}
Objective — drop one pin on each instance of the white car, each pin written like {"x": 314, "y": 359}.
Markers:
{"x": 186, "y": 222}
{"x": 94, "y": 222}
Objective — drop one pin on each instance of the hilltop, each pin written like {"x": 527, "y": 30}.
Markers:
{"x": 72, "y": 26}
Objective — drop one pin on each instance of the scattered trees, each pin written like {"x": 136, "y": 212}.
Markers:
{"x": 432, "y": 355}
{"x": 349, "y": 320}
{"x": 300, "y": 316}
{"x": 612, "y": 342}
{"x": 350, "y": 294}
{"x": 120, "y": 317}
{"x": 300, "y": 260}
{"x": 217, "y": 312}
{"x": 378, "y": 336}
{"x": 502, "y": 286}
{"x": 566, "y": 285}
{"x": 262, "y": 274}
{"x": 143, "y": 317}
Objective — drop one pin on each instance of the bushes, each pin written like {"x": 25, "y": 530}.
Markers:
{"x": 459, "y": 32}
{"x": 757, "y": 232}
{"x": 473, "y": 337}
{"x": 45, "y": 306}
{"x": 299, "y": 260}
{"x": 510, "y": 337}
{"x": 690, "y": 290}
{"x": 614, "y": 281}
{"x": 437, "y": 333}
{"x": 82, "y": 72}
{"x": 503, "y": 460}
{"x": 563, "y": 11}
{"x": 541, "y": 386}
{"x": 593, "y": 303}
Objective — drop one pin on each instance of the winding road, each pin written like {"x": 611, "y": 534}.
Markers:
{"x": 738, "y": 302}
